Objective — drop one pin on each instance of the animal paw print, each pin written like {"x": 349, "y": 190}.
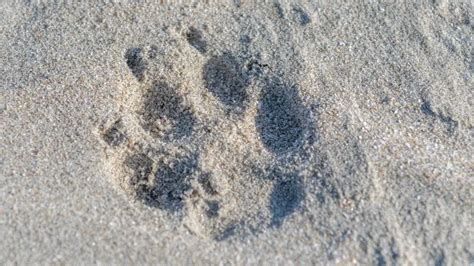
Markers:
{"x": 210, "y": 145}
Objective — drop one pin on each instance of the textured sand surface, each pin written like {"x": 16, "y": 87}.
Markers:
{"x": 312, "y": 132}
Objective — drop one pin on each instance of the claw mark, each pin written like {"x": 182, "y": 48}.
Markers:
{"x": 301, "y": 16}
{"x": 136, "y": 63}
{"x": 195, "y": 39}
{"x": 447, "y": 120}
{"x": 114, "y": 136}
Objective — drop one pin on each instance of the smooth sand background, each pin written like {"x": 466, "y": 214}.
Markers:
{"x": 371, "y": 163}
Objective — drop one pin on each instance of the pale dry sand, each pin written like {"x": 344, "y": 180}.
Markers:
{"x": 277, "y": 132}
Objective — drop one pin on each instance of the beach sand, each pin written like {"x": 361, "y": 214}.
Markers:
{"x": 235, "y": 132}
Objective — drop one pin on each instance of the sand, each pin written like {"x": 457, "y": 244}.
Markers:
{"x": 235, "y": 132}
